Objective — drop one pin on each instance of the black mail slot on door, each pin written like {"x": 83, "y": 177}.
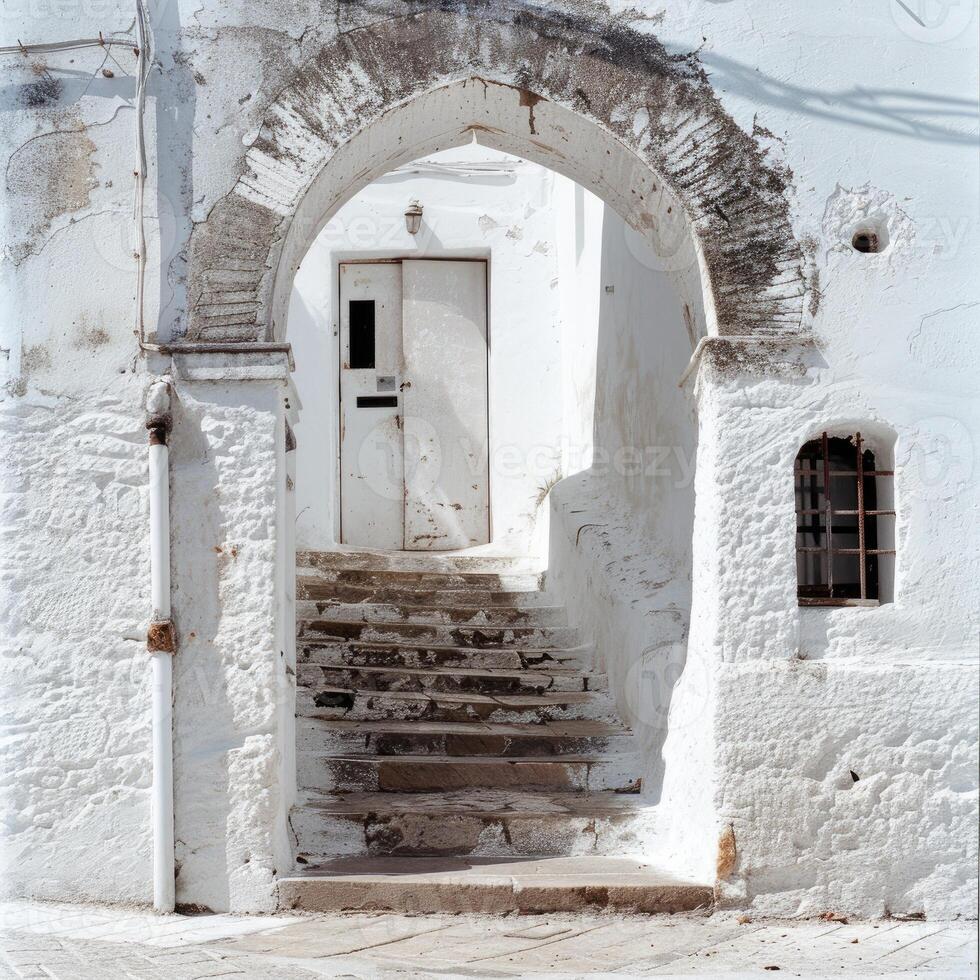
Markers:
{"x": 361, "y": 320}
{"x": 377, "y": 401}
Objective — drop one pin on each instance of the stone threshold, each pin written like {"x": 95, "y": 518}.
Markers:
{"x": 496, "y": 885}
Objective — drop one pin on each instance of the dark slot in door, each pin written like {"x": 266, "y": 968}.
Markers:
{"x": 362, "y": 333}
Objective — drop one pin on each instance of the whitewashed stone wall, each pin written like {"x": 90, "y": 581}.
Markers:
{"x": 881, "y": 700}
{"x": 623, "y": 517}
{"x": 793, "y": 702}
{"x": 74, "y": 589}
{"x": 234, "y": 671}
{"x": 74, "y": 688}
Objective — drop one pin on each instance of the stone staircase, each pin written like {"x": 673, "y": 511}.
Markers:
{"x": 456, "y": 751}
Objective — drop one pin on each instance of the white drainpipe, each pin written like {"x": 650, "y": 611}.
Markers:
{"x": 161, "y": 643}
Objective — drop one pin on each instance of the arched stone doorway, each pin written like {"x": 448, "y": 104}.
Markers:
{"x": 607, "y": 107}
{"x": 603, "y": 104}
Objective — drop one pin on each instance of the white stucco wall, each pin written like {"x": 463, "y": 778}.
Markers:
{"x": 794, "y": 700}
{"x": 882, "y": 701}
{"x": 235, "y": 671}
{"x": 74, "y": 591}
{"x": 731, "y": 731}
{"x": 620, "y": 547}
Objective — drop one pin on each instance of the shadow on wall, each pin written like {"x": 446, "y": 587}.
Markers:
{"x": 202, "y": 788}
{"x": 918, "y": 115}
{"x": 317, "y": 452}
{"x": 621, "y": 538}
{"x": 173, "y": 85}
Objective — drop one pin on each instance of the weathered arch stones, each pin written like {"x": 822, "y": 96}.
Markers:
{"x": 656, "y": 106}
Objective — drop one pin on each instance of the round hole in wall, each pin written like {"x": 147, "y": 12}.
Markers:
{"x": 871, "y": 235}
{"x": 866, "y": 240}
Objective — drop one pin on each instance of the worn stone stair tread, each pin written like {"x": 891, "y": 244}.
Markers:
{"x": 313, "y": 589}
{"x": 392, "y": 646}
{"x": 467, "y": 697}
{"x": 511, "y": 866}
{"x": 565, "y": 728}
{"x": 530, "y": 676}
{"x": 338, "y": 652}
{"x": 490, "y": 884}
{"x": 415, "y": 601}
{"x": 415, "y": 561}
{"x": 505, "y": 581}
{"x": 374, "y": 611}
{"x": 397, "y": 626}
{"x": 465, "y": 760}
{"x": 471, "y": 638}
{"x": 484, "y": 803}
{"x": 381, "y": 617}
{"x": 353, "y": 770}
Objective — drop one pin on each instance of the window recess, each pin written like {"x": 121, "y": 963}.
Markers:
{"x": 844, "y": 522}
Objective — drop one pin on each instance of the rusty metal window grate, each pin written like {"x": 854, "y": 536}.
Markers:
{"x": 837, "y": 522}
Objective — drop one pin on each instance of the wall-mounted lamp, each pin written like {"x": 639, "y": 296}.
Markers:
{"x": 413, "y": 218}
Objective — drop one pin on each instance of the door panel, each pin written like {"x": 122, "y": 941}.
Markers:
{"x": 446, "y": 470}
{"x": 371, "y": 452}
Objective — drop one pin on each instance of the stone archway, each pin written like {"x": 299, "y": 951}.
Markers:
{"x": 589, "y": 97}
{"x": 603, "y": 104}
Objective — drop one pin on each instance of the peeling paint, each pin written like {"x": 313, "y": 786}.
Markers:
{"x": 48, "y": 176}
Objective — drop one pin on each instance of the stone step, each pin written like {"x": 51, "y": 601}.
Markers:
{"x": 324, "y": 650}
{"x": 464, "y": 822}
{"x": 462, "y": 739}
{"x": 481, "y": 681}
{"x": 441, "y": 634}
{"x": 499, "y": 617}
{"x": 489, "y": 885}
{"x": 311, "y": 587}
{"x": 418, "y": 561}
{"x": 357, "y": 773}
{"x": 339, "y": 702}
{"x": 428, "y": 581}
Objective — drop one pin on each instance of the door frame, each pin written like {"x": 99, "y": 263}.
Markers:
{"x": 396, "y": 258}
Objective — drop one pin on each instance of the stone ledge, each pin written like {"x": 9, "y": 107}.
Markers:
{"x": 722, "y": 359}
{"x": 227, "y": 362}
{"x": 490, "y": 885}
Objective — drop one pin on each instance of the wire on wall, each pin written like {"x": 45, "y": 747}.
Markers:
{"x": 141, "y": 46}
{"x": 85, "y": 42}
{"x": 142, "y": 72}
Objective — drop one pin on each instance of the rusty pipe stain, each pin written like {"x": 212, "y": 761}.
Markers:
{"x": 161, "y": 637}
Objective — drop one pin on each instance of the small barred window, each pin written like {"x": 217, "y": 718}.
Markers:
{"x": 844, "y": 523}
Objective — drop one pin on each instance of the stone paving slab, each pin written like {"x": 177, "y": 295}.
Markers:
{"x": 66, "y": 942}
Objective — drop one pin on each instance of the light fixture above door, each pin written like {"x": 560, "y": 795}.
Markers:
{"x": 413, "y": 218}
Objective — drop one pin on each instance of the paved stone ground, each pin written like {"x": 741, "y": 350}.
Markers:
{"x": 65, "y": 942}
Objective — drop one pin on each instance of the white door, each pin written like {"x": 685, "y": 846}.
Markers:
{"x": 444, "y": 333}
{"x": 371, "y": 451}
{"x": 413, "y": 389}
